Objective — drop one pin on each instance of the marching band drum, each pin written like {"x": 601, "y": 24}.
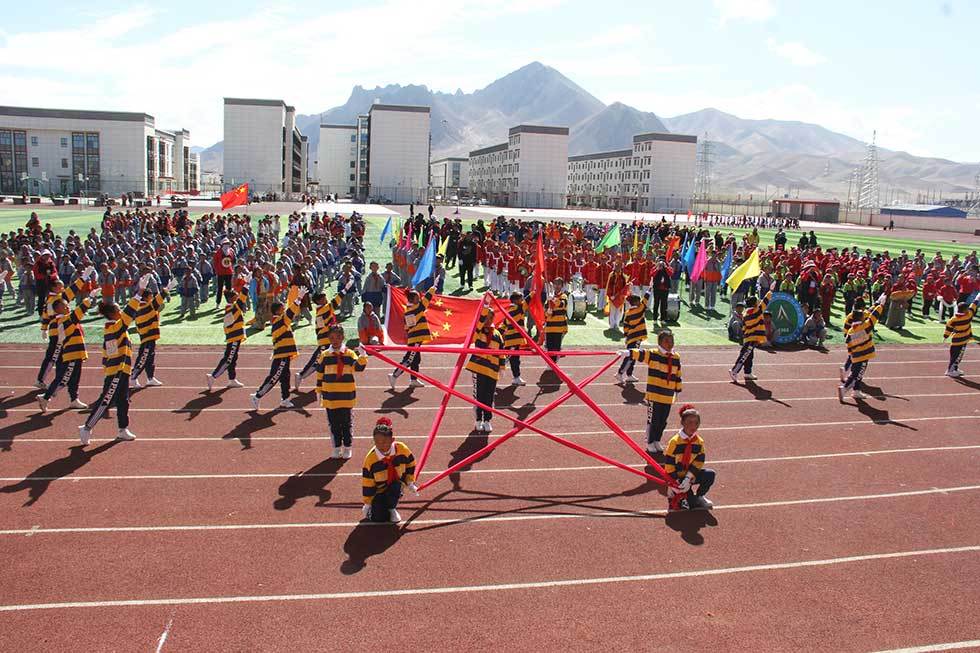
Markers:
{"x": 673, "y": 307}
{"x": 577, "y": 305}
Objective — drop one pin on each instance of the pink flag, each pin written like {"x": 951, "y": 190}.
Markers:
{"x": 700, "y": 262}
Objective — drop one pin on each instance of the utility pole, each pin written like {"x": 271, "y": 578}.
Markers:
{"x": 869, "y": 194}
{"x": 702, "y": 182}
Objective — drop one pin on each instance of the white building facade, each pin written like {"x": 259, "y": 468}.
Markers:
{"x": 383, "y": 157}
{"x": 263, "y": 147}
{"x": 656, "y": 175}
{"x": 530, "y": 170}
{"x": 70, "y": 152}
{"x": 450, "y": 175}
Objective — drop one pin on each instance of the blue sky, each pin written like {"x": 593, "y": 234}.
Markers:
{"x": 906, "y": 68}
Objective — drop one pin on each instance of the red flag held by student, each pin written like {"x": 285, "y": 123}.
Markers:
{"x": 674, "y": 243}
{"x": 235, "y": 197}
{"x": 450, "y": 318}
{"x": 535, "y": 307}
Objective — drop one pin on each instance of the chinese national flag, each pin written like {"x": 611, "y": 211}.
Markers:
{"x": 234, "y": 197}
{"x": 450, "y": 318}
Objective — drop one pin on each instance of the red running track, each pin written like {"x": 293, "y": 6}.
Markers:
{"x": 842, "y": 527}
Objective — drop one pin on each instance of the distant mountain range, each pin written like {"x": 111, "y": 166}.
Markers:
{"x": 748, "y": 156}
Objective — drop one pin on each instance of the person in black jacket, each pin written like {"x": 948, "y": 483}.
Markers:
{"x": 661, "y": 288}
{"x": 466, "y": 251}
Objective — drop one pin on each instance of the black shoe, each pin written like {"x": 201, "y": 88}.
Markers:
{"x": 699, "y": 503}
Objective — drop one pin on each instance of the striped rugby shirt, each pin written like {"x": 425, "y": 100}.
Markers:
{"x": 416, "y": 325}
{"x": 663, "y": 373}
{"x": 380, "y": 470}
{"x": 960, "y": 327}
{"x": 754, "y": 331}
{"x": 335, "y": 377}
{"x": 69, "y": 331}
{"x": 234, "y": 319}
{"x": 283, "y": 344}
{"x": 326, "y": 317}
{"x": 148, "y": 319}
{"x": 634, "y": 324}
{"x": 860, "y": 344}
{"x": 116, "y": 349}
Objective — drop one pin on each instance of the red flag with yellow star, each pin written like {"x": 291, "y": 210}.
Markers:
{"x": 234, "y": 197}
{"x": 449, "y": 318}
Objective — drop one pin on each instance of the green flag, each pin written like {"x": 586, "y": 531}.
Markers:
{"x": 611, "y": 239}
{"x": 649, "y": 243}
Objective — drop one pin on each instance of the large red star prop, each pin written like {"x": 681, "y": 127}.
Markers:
{"x": 574, "y": 389}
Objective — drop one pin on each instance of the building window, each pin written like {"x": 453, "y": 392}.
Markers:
{"x": 64, "y": 141}
{"x": 35, "y": 163}
{"x": 352, "y": 177}
{"x": 92, "y": 142}
{"x": 33, "y": 141}
{"x": 64, "y": 163}
{"x": 78, "y": 141}
{"x": 351, "y": 164}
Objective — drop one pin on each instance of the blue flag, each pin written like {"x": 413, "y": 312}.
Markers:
{"x": 426, "y": 264}
{"x": 386, "y": 232}
{"x": 726, "y": 266}
{"x": 689, "y": 257}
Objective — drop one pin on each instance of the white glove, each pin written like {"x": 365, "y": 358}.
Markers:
{"x": 361, "y": 351}
{"x": 96, "y": 292}
{"x": 172, "y": 285}
{"x": 247, "y": 277}
{"x": 882, "y": 299}
{"x": 684, "y": 485}
{"x": 414, "y": 488}
{"x": 623, "y": 353}
{"x": 366, "y": 511}
{"x": 88, "y": 273}
{"x": 143, "y": 282}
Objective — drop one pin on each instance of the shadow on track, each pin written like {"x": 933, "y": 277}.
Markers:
{"x": 367, "y": 540}
{"x": 32, "y": 423}
{"x": 311, "y": 483}
{"x": 36, "y": 483}
{"x": 762, "y": 394}
{"x": 689, "y": 524}
{"x": 204, "y": 400}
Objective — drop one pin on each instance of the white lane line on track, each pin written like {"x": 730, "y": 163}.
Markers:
{"x": 500, "y": 470}
{"x": 289, "y": 438}
{"x": 639, "y": 385}
{"x": 468, "y": 407}
{"x": 499, "y": 587}
{"x": 477, "y": 519}
{"x": 928, "y": 648}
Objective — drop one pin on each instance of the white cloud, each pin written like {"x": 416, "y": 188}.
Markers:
{"x": 795, "y": 52}
{"x": 744, "y": 10}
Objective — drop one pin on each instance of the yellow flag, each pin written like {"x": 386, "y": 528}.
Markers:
{"x": 747, "y": 270}
{"x": 636, "y": 238}
{"x": 443, "y": 246}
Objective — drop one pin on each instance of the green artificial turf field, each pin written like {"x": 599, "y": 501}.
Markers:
{"x": 694, "y": 328}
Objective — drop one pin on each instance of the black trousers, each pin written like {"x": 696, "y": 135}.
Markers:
{"x": 222, "y": 283}
{"x": 310, "y": 366}
{"x": 657, "y": 415}
{"x": 146, "y": 359}
{"x": 50, "y": 358}
{"x": 552, "y": 342}
{"x": 412, "y": 359}
{"x": 745, "y": 358}
{"x": 854, "y": 378}
{"x": 515, "y": 366}
{"x": 341, "y": 422}
{"x": 228, "y": 361}
{"x": 626, "y": 367}
{"x": 660, "y": 305}
{"x": 955, "y": 356}
{"x": 483, "y": 391}
{"x": 385, "y": 501}
{"x": 466, "y": 273}
{"x": 66, "y": 374}
{"x": 704, "y": 479}
{"x": 115, "y": 392}
{"x": 278, "y": 374}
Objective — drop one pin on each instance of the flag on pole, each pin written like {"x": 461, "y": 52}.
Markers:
{"x": 636, "y": 237}
{"x": 536, "y": 307}
{"x": 426, "y": 264}
{"x": 672, "y": 245}
{"x": 726, "y": 265}
{"x": 421, "y": 236}
{"x": 611, "y": 239}
{"x": 689, "y": 258}
{"x": 444, "y": 246}
{"x": 700, "y": 261}
{"x": 386, "y": 232}
{"x": 746, "y": 270}
{"x": 235, "y": 197}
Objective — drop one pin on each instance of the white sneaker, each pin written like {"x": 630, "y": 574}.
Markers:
{"x": 857, "y": 394}
{"x": 734, "y": 375}
{"x": 750, "y": 377}
{"x": 40, "y": 386}
{"x": 415, "y": 383}
{"x": 137, "y": 384}
{"x": 285, "y": 403}
{"x": 655, "y": 447}
{"x": 632, "y": 379}
{"x": 479, "y": 427}
{"x": 347, "y": 453}
{"x": 954, "y": 373}
{"x": 209, "y": 380}
{"x": 518, "y": 381}
{"x": 620, "y": 379}
{"x": 79, "y": 404}
{"x": 154, "y": 382}
{"x": 297, "y": 381}
{"x": 84, "y": 434}
{"x": 487, "y": 427}
{"x": 254, "y": 400}
{"x": 126, "y": 435}
{"x": 395, "y": 517}
{"x": 338, "y": 453}
{"x": 391, "y": 380}
{"x": 235, "y": 383}
{"x": 42, "y": 403}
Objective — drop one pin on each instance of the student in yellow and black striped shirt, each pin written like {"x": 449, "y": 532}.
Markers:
{"x": 66, "y": 327}
{"x": 485, "y": 368}
{"x": 857, "y": 311}
{"x": 416, "y": 333}
{"x": 387, "y": 467}
{"x": 684, "y": 461}
{"x": 959, "y": 328}
{"x": 116, "y": 363}
{"x": 860, "y": 348}
{"x": 148, "y": 326}
{"x": 338, "y": 391}
{"x": 635, "y": 331}
{"x": 283, "y": 351}
{"x": 556, "y": 318}
{"x": 753, "y": 335}
{"x": 234, "y": 324}
{"x": 513, "y": 339}
{"x": 326, "y": 318}
{"x": 663, "y": 384}
{"x": 58, "y": 292}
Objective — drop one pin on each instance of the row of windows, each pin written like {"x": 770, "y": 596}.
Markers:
{"x": 603, "y": 164}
